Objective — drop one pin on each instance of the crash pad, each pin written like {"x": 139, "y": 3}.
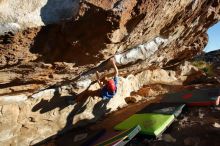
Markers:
{"x": 117, "y": 139}
{"x": 198, "y": 97}
{"x": 78, "y": 137}
{"x": 164, "y": 108}
{"x": 151, "y": 123}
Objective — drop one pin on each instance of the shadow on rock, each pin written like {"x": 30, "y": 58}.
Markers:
{"x": 78, "y": 41}
{"x": 56, "y": 101}
{"x": 55, "y": 10}
{"x": 99, "y": 109}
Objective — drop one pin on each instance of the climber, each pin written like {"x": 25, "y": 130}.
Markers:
{"x": 109, "y": 86}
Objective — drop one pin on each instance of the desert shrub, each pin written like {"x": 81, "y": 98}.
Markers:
{"x": 204, "y": 66}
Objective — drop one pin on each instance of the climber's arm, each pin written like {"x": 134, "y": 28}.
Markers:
{"x": 98, "y": 79}
{"x": 115, "y": 67}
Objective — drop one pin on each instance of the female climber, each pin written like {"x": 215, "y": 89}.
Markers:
{"x": 109, "y": 86}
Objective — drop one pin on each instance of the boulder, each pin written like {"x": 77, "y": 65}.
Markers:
{"x": 51, "y": 49}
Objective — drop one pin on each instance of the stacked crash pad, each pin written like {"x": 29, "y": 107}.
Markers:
{"x": 78, "y": 137}
{"x": 150, "y": 123}
{"x": 117, "y": 139}
{"x": 199, "y": 97}
{"x": 153, "y": 119}
{"x": 164, "y": 108}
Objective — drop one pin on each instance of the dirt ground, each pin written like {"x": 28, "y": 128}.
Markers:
{"x": 197, "y": 126}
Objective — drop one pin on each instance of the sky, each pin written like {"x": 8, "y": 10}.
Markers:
{"x": 214, "y": 38}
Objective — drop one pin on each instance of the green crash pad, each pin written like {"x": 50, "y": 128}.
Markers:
{"x": 151, "y": 123}
{"x": 120, "y": 139}
{"x": 164, "y": 108}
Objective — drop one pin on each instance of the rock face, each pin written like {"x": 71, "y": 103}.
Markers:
{"x": 24, "y": 14}
{"x": 42, "y": 66}
{"x": 47, "y": 112}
